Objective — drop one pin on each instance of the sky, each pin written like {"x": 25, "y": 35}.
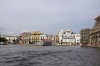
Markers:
{"x": 48, "y": 16}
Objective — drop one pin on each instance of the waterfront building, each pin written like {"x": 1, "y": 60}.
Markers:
{"x": 85, "y": 35}
{"x": 67, "y": 37}
{"x": 11, "y": 39}
{"x": 46, "y": 38}
{"x": 95, "y": 33}
{"x": 43, "y": 37}
{"x": 52, "y": 38}
{"x": 77, "y": 38}
{"x": 21, "y": 38}
{"x": 30, "y": 37}
{"x": 35, "y": 36}
{"x": 25, "y": 37}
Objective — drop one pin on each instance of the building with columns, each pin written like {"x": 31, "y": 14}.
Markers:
{"x": 30, "y": 37}
{"x": 95, "y": 33}
{"x": 67, "y": 37}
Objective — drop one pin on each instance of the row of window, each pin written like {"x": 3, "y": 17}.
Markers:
{"x": 84, "y": 33}
{"x": 87, "y": 30}
{"x": 84, "y": 38}
{"x": 71, "y": 36}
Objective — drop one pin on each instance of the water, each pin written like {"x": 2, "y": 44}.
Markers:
{"x": 19, "y": 55}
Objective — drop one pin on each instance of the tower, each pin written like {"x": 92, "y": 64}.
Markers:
{"x": 62, "y": 30}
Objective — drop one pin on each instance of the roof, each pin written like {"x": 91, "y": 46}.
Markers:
{"x": 68, "y": 30}
{"x": 97, "y": 18}
{"x": 37, "y": 32}
{"x": 46, "y": 40}
{"x": 72, "y": 32}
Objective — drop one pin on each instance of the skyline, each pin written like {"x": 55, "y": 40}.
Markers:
{"x": 18, "y": 16}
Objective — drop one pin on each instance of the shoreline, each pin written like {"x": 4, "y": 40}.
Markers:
{"x": 91, "y": 46}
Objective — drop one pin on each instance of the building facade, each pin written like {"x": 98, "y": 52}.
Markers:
{"x": 77, "y": 38}
{"x": 30, "y": 37}
{"x": 35, "y": 36}
{"x": 85, "y": 35}
{"x": 43, "y": 36}
{"x": 25, "y": 37}
{"x": 95, "y": 33}
{"x": 10, "y": 39}
{"x": 68, "y": 37}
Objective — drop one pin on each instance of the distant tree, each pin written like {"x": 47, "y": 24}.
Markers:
{"x": 14, "y": 41}
{"x": 3, "y": 39}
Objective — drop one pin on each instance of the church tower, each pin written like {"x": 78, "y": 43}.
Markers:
{"x": 62, "y": 30}
{"x": 68, "y": 30}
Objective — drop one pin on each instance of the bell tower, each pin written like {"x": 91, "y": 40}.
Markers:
{"x": 62, "y": 30}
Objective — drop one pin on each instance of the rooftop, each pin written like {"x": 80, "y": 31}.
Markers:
{"x": 97, "y": 18}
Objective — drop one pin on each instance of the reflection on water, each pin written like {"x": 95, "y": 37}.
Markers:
{"x": 18, "y": 55}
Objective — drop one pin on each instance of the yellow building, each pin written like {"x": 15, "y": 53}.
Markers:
{"x": 35, "y": 36}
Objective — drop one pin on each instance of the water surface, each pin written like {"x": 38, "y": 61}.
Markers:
{"x": 20, "y": 55}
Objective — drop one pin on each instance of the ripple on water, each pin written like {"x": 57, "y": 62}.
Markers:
{"x": 49, "y": 56}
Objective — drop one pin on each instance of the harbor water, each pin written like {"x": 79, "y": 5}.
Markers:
{"x": 21, "y": 55}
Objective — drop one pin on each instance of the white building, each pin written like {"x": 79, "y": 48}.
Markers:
{"x": 77, "y": 38}
{"x": 68, "y": 37}
{"x": 11, "y": 38}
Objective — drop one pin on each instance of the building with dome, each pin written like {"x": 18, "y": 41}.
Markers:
{"x": 67, "y": 37}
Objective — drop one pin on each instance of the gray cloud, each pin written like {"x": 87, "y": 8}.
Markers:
{"x": 24, "y": 31}
{"x": 11, "y": 32}
{"x": 48, "y": 16}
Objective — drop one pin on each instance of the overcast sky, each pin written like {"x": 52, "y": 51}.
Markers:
{"x": 48, "y": 16}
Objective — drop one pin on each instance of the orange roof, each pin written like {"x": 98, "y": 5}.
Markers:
{"x": 45, "y": 39}
{"x": 97, "y": 18}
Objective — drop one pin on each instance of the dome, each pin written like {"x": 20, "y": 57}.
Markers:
{"x": 68, "y": 30}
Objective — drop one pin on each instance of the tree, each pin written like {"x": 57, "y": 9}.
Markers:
{"x": 14, "y": 41}
{"x": 3, "y": 39}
